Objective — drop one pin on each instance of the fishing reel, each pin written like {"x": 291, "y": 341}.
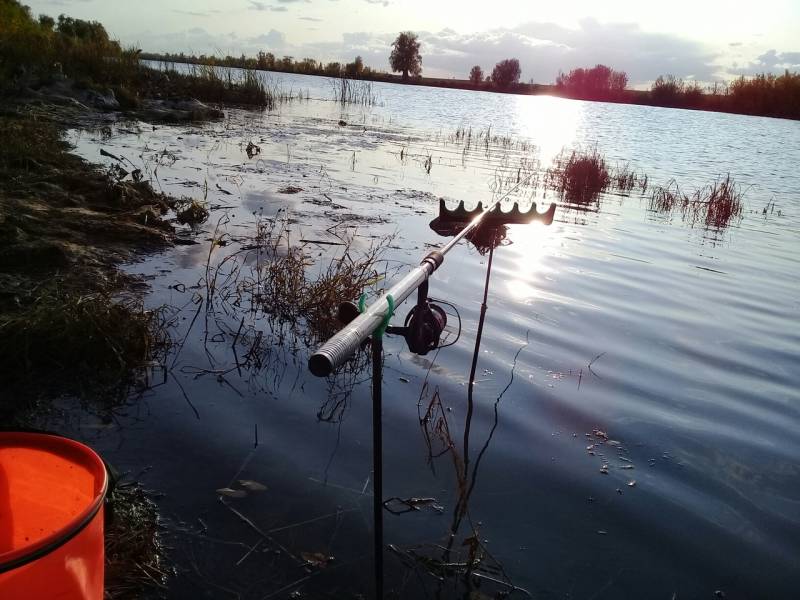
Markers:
{"x": 424, "y": 324}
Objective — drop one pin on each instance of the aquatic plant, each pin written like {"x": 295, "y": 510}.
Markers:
{"x": 579, "y": 177}
{"x": 282, "y": 283}
{"x": 353, "y": 91}
{"x": 714, "y": 206}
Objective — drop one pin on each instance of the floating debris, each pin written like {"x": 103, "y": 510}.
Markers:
{"x": 231, "y": 493}
{"x": 252, "y": 150}
{"x": 252, "y": 486}
{"x": 290, "y": 189}
{"x": 316, "y": 559}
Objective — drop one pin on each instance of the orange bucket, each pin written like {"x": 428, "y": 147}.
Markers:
{"x": 51, "y": 518}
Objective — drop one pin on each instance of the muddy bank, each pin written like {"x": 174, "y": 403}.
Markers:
{"x": 65, "y": 226}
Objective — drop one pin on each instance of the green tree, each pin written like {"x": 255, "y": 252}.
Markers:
{"x": 506, "y": 73}
{"x": 405, "y": 56}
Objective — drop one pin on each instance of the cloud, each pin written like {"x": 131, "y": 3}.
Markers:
{"x": 192, "y": 13}
{"x": 542, "y": 48}
{"x": 273, "y": 40}
{"x": 198, "y": 40}
{"x": 771, "y": 61}
{"x": 545, "y": 48}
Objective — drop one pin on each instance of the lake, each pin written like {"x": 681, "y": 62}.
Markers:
{"x": 634, "y": 425}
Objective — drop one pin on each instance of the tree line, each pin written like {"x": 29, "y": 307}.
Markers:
{"x": 764, "y": 94}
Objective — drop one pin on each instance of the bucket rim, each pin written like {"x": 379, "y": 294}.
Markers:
{"x": 23, "y": 555}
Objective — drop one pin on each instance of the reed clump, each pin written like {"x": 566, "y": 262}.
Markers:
{"x": 353, "y": 91}
{"x": 714, "y": 206}
{"x": 580, "y": 176}
{"x": 213, "y": 84}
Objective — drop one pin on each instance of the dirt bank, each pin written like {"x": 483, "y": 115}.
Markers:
{"x": 65, "y": 226}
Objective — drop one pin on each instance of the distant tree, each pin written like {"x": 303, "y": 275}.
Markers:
{"x": 47, "y": 22}
{"x": 355, "y": 68}
{"x": 333, "y": 69}
{"x": 405, "y": 56}
{"x": 597, "y": 82}
{"x": 506, "y": 73}
{"x": 667, "y": 90}
{"x": 476, "y": 75}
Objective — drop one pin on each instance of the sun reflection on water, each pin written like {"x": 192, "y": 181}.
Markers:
{"x": 533, "y": 245}
{"x": 551, "y": 122}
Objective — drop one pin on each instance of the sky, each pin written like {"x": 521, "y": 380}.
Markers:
{"x": 706, "y": 40}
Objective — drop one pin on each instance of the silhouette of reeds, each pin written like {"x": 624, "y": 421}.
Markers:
{"x": 579, "y": 177}
{"x": 353, "y": 91}
{"x": 714, "y": 206}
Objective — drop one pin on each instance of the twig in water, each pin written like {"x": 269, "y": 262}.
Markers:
{"x": 591, "y": 362}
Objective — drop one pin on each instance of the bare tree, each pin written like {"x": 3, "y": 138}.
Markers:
{"x": 405, "y": 56}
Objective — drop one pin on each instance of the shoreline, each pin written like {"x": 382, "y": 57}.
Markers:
{"x": 707, "y": 102}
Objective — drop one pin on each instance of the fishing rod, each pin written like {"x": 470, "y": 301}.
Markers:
{"x": 422, "y": 328}
{"x": 341, "y": 346}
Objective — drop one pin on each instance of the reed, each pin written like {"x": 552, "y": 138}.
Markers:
{"x": 714, "y": 206}
{"x": 353, "y": 91}
{"x": 580, "y": 176}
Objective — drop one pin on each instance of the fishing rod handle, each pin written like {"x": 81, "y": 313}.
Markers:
{"x": 341, "y": 346}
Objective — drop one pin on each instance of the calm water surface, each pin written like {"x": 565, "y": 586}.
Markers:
{"x": 693, "y": 338}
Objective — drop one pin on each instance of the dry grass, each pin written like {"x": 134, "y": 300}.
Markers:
{"x": 191, "y": 212}
{"x": 714, "y": 206}
{"x": 284, "y": 283}
{"x": 134, "y": 554}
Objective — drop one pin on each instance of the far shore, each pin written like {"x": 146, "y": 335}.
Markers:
{"x": 705, "y": 102}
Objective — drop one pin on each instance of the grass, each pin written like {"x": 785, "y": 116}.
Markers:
{"x": 86, "y": 345}
{"x": 191, "y": 212}
{"x": 210, "y": 84}
{"x": 134, "y": 553}
{"x": 47, "y": 50}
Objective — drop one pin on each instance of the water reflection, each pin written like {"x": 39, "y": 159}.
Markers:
{"x": 462, "y": 565}
{"x": 552, "y": 122}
